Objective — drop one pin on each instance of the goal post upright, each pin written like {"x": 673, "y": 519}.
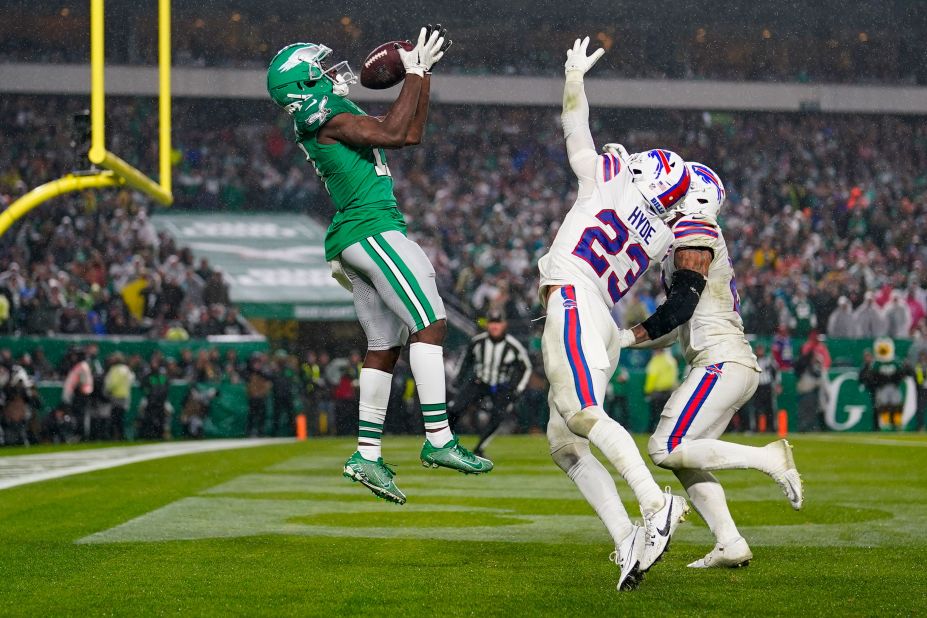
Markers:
{"x": 98, "y": 154}
{"x": 116, "y": 172}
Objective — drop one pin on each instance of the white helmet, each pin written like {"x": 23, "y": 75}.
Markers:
{"x": 706, "y": 193}
{"x": 662, "y": 178}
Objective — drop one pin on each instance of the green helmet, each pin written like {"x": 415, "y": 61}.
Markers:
{"x": 296, "y": 75}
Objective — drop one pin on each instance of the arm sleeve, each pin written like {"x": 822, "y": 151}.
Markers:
{"x": 663, "y": 342}
{"x": 680, "y": 303}
{"x": 525, "y": 361}
{"x": 579, "y": 144}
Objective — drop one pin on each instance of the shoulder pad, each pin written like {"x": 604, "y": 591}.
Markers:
{"x": 608, "y": 166}
{"x": 315, "y": 112}
{"x": 695, "y": 227}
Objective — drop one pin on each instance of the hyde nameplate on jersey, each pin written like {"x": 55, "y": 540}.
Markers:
{"x": 715, "y": 333}
{"x": 608, "y": 239}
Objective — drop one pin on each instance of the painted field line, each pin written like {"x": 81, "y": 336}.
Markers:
{"x": 873, "y": 441}
{"x": 23, "y": 469}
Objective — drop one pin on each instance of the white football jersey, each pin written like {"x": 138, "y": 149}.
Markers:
{"x": 608, "y": 239}
{"x": 715, "y": 333}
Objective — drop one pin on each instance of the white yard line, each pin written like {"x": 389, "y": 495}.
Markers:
{"x": 843, "y": 439}
{"x": 22, "y": 469}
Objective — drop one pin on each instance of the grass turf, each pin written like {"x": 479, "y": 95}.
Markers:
{"x": 147, "y": 538}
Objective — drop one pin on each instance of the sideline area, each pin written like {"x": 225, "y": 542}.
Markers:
{"x": 23, "y": 469}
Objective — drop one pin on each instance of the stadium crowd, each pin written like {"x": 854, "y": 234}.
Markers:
{"x": 94, "y": 263}
{"x": 782, "y": 48}
{"x": 825, "y": 213}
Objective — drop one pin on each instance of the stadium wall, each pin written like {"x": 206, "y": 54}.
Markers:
{"x": 29, "y": 78}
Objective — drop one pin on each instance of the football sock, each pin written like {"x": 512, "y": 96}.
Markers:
{"x": 598, "y": 488}
{"x": 707, "y": 454}
{"x": 707, "y": 496}
{"x": 374, "y": 397}
{"x": 619, "y": 448}
{"x": 427, "y": 361}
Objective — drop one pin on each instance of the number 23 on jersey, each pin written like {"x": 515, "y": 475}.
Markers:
{"x": 611, "y": 239}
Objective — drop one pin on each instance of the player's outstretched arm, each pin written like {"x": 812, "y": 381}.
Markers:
{"x": 575, "y": 114}
{"x": 417, "y": 126}
{"x": 389, "y": 131}
{"x": 689, "y": 279}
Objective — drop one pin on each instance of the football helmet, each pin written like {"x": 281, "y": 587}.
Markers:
{"x": 662, "y": 178}
{"x": 706, "y": 192}
{"x": 297, "y": 73}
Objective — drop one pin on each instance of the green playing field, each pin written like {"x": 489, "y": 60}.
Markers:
{"x": 276, "y": 530}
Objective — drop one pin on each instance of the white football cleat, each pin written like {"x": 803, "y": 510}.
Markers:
{"x": 730, "y": 556}
{"x": 660, "y": 526}
{"x": 789, "y": 481}
{"x": 628, "y": 557}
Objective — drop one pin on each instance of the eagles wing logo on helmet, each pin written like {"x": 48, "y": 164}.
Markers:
{"x": 309, "y": 54}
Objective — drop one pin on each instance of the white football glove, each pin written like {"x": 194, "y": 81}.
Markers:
{"x": 429, "y": 50}
{"x": 411, "y": 59}
{"x": 577, "y": 60}
{"x": 626, "y": 337}
{"x": 442, "y": 44}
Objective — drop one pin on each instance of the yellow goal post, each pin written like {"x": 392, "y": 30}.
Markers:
{"x": 115, "y": 171}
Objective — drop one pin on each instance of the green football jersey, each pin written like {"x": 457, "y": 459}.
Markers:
{"x": 356, "y": 177}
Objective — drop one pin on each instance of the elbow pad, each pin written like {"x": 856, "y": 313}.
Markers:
{"x": 679, "y": 305}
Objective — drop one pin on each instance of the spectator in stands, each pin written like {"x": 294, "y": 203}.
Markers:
{"x": 117, "y": 385}
{"x": 155, "y": 411}
{"x": 920, "y": 376}
{"x": 616, "y": 397}
{"x": 898, "y": 315}
{"x": 77, "y": 389}
{"x": 842, "y": 322}
{"x": 258, "y": 380}
{"x": 763, "y": 406}
{"x": 782, "y": 348}
{"x": 285, "y": 388}
{"x": 231, "y": 324}
{"x": 870, "y": 319}
{"x": 18, "y": 400}
{"x": 661, "y": 379}
{"x": 810, "y": 369}
{"x": 803, "y": 318}
{"x": 344, "y": 396}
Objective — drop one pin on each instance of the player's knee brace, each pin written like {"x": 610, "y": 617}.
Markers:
{"x": 567, "y": 456}
{"x": 582, "y": 422}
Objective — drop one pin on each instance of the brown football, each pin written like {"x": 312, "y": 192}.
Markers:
{"x": 383, "y": 67}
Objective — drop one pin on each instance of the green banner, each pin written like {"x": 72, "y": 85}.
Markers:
{"x": 274, "y": 263}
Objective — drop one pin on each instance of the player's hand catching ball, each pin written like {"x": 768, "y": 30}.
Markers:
{"x": 577, "y": 60}
{"x": 428, "y": 51}
{"x": 442, "y": 36}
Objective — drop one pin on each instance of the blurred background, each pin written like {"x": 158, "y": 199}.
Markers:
{"x": 216, "y": 316}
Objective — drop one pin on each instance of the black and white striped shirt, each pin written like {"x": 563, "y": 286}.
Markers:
{"x": 503, "y": 362}
{"x": 769, "y": 372}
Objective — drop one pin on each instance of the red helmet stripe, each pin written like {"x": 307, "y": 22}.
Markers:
{"x": 674, "y": 194}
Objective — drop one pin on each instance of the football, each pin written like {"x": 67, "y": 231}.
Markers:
{"x": 383, "y": 67}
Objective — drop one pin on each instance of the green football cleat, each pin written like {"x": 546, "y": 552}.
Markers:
{"x": 452, "y": 455}
{"x": 375, "y": 475}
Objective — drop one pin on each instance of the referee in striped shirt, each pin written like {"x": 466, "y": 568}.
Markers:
{"x": 496, "y": 366}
